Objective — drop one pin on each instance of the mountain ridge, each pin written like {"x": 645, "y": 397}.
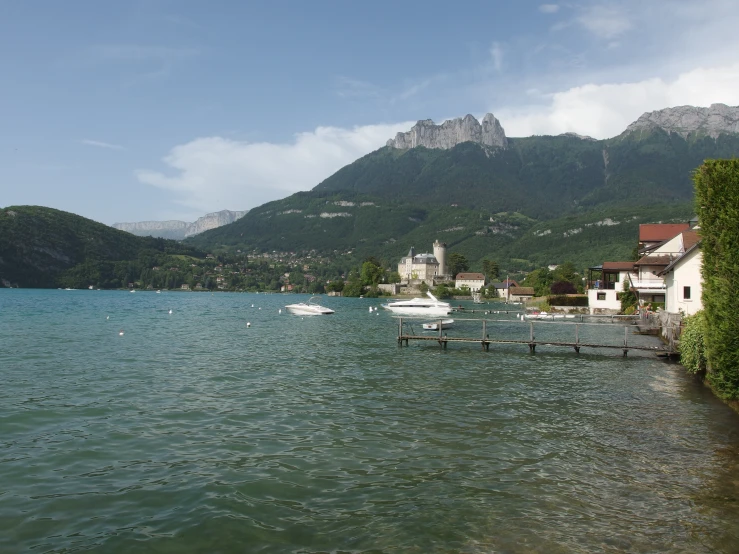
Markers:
{"x": 178, "y": 230}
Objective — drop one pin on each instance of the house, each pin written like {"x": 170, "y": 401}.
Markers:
{"x": 473, "y": 281}
{"x": 648, "y": 281}
{"x": 502, "y": 289}
{"x": 652, "y": 235}
{"x": 604, "y": 293}
{"x": 683, "y": 282}
{"x": 521, "y": 294}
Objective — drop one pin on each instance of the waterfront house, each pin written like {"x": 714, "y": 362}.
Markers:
{"x": 521, "y": 294}
{"x": 473, "y": 281}
{"x": 604, "y": 293}
{"x": 683, "y": 282}
{"x": 502, "y": 289}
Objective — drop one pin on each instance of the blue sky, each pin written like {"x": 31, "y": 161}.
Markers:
{"x": 141, "y": 110}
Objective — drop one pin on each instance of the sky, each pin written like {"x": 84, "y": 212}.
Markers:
{"x": 170, "y": 109}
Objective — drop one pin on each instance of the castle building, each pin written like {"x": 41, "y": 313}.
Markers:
{"x": 424, "y": 267}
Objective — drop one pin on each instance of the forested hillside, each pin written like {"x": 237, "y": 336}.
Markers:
{"x": 44, "y": 247}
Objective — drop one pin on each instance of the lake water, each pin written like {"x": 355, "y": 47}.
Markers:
{"x": 192, "y": 432}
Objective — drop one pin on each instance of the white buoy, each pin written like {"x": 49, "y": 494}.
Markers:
{"x": 252, "y": 305}
{"x": 120, "y": 333}
{"x": 107, "y": 317}
{"x": 170, "y": 311}
{"x": 279, "y": 311}
{"x": 248, "y": 324}
{"x": 370, "y": 309}
{"x": 260, "y": 308}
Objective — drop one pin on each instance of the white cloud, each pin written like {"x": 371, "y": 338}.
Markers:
{"x": 214, "y": 173}
{"x": 496, "y": 53}
{"x": 101, "y": 144}
{"x": 549, "y": 8}
{"x": 605, "y": 110}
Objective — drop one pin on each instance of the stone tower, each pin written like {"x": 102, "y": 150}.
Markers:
{"x": 440, "y": 255}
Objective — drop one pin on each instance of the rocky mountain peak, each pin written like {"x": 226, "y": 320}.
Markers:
{"x": 683, "y": 120}
{"x": 452, "y": 132}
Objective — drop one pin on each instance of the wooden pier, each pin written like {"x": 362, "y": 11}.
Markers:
{"x": 485, "y": 341}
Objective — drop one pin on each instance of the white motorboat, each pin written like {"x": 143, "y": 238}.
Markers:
{"x": 308, "y": 308}
{"x": 434, "y": 325}
{"x": 420, "y": 306}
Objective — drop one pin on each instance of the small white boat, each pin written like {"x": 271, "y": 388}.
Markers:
{"x": 420, "y": 306}
{"x": 308, "y": 308}
{"x": 434, "y": 325}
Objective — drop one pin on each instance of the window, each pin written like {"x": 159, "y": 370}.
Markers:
{"x": 686, "y": 293}
{"x": 601, "y": 296}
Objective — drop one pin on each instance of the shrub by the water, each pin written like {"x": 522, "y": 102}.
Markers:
{"x": 692, "y": 343}
{"x": 717, "y": 203}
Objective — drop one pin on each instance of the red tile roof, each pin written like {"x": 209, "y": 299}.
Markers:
{"x": 690, "y": 239}
{"x": 660, "y": 232}
{"x": 619, "y": 266}
{"x": 654, "y": 260}
{"x": 470, "y": 277}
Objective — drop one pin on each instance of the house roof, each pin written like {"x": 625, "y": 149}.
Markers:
{"x": 522, "y": 291}
{"x": 690, "y": 239}
{"x": 660, "y": 232}
{"x": 470, "y": 277}
{"x": 654, "y": 260}
{"x": 682, "y": 258}
{"x": 505, "y": 284}
{"x": 618, "y": 266}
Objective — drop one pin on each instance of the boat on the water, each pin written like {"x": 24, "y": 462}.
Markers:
{"x": 308, "y": 308}
{"x": 419, "y": 306}
{"x": 434, "y": 325}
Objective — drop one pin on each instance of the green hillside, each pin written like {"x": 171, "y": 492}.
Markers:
{"x": 543, "y": 200}
{"x": 44, "y": 247}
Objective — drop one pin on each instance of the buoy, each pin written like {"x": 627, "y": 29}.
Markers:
{"x": 260, "y": 308}
{"x": 120, "y": 332}
{"x": 279, "y": 311}
{"x": 170, "y": 311}
{"x": 370, "y": 309}
{"x": 107, "y": 317}
{"x": 248, "y": 324}
{"x": 252, "y": 305}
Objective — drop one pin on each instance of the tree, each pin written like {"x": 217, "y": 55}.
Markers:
{"x": 371, "y": 273}
{"x": 563, "y": 287}
{"x": 394, "y": 277}
{"x": 353, "y": 287}
{"x": 491, "y": 269}
{"x": 541, "y": 279}
{"x": 457, "y": 263}
{"x": 423, "y": 287}
{"x": 335, "y": 286}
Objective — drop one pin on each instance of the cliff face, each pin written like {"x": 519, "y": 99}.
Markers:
{"x": 452, "y": 132}
{"x": 212, "y": 220}
{"x": 683, "y": 120}
{"x": 180, "y": 229}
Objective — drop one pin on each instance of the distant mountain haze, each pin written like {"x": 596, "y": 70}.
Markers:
{"x": 179, "y": 230}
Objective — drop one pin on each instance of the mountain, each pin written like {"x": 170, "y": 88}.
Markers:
{"x": 713, "y": 121}
{"x": 522, "y": 201}
{"x": 179, "y": 230}
{"x": 44, "y": 247}
{"x": 452, "y": 132}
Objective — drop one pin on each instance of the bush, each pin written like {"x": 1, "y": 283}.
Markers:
{"x": 581, "y": 301}
{"x": 693, "y": 343}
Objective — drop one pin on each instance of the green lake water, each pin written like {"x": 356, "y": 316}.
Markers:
{"x": 192, "y": 432}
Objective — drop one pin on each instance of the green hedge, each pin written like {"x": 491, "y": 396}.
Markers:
{"x": 581, "y": 301}
{"x": 693, "y": 343}
{"x": 717, "y": 204}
